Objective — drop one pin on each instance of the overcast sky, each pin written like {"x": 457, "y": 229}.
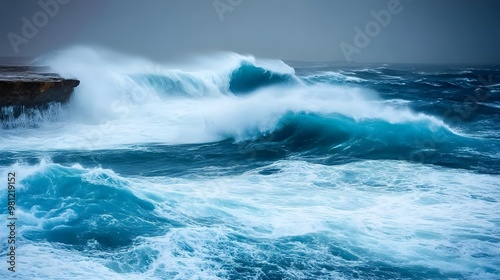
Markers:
{"x": 423, "y": 31}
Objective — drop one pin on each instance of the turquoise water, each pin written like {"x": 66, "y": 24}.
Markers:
{"x": 232, "y": 167}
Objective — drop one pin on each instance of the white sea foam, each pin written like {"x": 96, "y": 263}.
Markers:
{"x": 110, "y": 109}
{"x": 446, "y": 220}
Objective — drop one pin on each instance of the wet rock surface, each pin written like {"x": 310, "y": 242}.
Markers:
{"x": 31, "y": 87}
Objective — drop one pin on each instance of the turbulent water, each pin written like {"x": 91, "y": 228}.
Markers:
{"x": 232, "y": 167}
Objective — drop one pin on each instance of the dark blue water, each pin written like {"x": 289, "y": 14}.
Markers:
{"x": 237, "y": 168}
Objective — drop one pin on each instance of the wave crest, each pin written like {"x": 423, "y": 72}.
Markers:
{"x": 152, "y": 103}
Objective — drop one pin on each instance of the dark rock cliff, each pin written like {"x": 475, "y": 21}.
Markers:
{"x": 31, "y": 87}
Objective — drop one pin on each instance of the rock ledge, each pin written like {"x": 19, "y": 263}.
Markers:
{"x": 32, "y": 87}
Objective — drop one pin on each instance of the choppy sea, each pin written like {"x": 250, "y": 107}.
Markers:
{"x": 234, "y": 167}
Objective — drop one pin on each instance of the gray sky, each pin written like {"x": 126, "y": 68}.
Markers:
{"x": 424, "y": 31}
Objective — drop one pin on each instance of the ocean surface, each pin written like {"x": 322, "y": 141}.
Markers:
{"x": 233, "y": 167}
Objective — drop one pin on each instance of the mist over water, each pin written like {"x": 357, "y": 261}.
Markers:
{"x": 234, "y": 167}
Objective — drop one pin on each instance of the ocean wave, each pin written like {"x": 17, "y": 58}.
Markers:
{"x": 307, "y": 220}
{"x": 129, "y": 101}
{"x": 333, "y": 78}
{"x": 79, "y": 207}
{"x": 211, "y": 119}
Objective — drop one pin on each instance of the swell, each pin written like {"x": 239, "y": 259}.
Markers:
{"x": 245, "y": 78}
{"x": 84, "y": 208}
{"x": 337, "y": 139}
{"x": 249, "y": 77}
{"x": 329, "y": 139}
{"x": 111, "y": 81}
{"x": 236, "y": 225}
{"x": 258, "y": 104}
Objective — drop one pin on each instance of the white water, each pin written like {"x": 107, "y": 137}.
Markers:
{"x": 394, "y": 215}
{"x": 384, "y": 213}
{"x": 111, "y": 110}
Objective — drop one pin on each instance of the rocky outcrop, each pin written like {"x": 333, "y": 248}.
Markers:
{"x": 35, "y": 93}
{"x": 25, "y": 87}
{"x": 31, "y": 87}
